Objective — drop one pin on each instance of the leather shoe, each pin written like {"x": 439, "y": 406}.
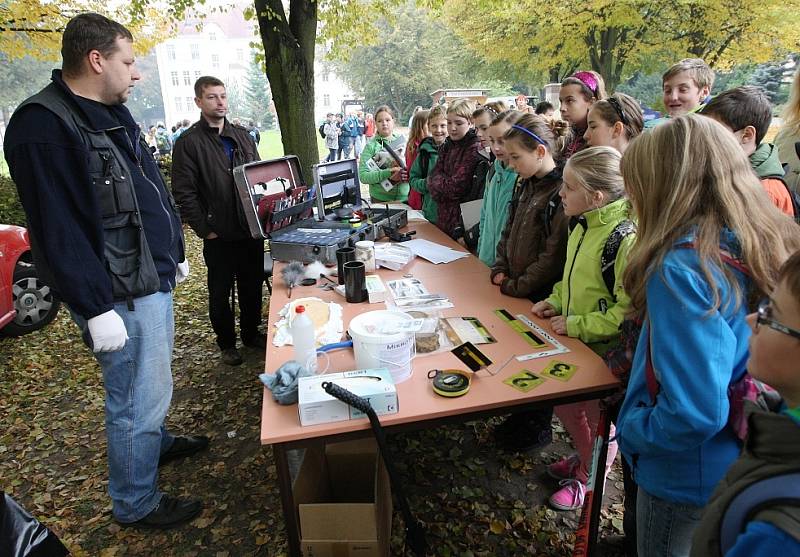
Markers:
{"x": 182, "y": 447}
{"x": 170, "y": 512}
{"x": 258, "y": 341}
{"x": 231, "y": 357}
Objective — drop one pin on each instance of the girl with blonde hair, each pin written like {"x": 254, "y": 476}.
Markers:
{"x": 589, "y": 303}
{"x": 788, "y": 139}
{"x": 708, "y": 242}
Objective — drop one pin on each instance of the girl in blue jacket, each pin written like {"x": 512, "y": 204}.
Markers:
{"x": 696, "y": 200}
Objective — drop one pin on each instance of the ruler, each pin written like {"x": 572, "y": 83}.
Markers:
{"x": 558, "y": 348}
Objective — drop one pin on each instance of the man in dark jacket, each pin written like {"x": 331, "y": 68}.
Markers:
{"x": 202, "y": 180}
{"x": 106, "y": 235}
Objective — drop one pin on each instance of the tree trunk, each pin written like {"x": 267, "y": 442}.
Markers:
{"x": 289, "y": 55}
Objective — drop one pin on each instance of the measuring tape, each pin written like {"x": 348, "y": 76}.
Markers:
{"x": 449, "y": 382}
{"x": 558, "y": 348}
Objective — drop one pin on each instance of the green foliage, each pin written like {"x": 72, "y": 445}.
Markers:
{"x": 10, "y": 208}
{"x": 257, "y": 97}
{"x": 146, "y": 102}
{"x": 769, "y": 77}
{"x": 21, "y": 78}
{"x": 414, "y": 55}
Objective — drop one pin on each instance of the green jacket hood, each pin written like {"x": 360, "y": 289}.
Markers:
{"x": 765, "y": 161}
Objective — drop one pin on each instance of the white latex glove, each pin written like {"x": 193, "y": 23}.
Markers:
{"x": 107, "y": 331}
{"x": 182, "y": 271}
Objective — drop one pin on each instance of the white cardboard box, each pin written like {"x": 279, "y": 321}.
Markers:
{"x": 318, "y": 407}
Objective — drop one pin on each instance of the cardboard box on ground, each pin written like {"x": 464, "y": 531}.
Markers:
{"x": 344, "y": 501}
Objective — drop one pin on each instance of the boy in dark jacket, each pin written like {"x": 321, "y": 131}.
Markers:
{"x": 452, "y": 176}
{"x": 772, "y": 447}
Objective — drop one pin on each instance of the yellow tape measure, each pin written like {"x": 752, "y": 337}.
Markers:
{"x": 450, "y": 382}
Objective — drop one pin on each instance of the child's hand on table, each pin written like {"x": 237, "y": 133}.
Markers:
{"x": 543, "y": 309}
{"x": 559, "y": 324}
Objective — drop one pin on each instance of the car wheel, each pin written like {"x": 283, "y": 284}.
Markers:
{"x": 35, "y": 302}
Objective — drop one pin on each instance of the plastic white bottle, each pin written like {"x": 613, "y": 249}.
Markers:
{"x": 304, "y": 340}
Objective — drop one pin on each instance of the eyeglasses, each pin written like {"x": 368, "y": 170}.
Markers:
{"x": 615, "y": 104}
{"x": 764, "y": 317}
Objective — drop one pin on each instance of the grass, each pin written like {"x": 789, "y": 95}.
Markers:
{"x": 271, "y": 147}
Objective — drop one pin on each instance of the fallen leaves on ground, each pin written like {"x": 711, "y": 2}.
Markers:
{"x": 472, "y": 499}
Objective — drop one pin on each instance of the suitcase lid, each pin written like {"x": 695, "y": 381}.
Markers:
{"x": 336, "y": 184}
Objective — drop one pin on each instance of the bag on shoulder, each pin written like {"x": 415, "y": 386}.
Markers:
{"x": 322, "y": 130}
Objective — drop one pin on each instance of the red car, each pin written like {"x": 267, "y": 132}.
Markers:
{"x": 26, "y": 303}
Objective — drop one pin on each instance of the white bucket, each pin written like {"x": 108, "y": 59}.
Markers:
{"x": 376, "y": 346}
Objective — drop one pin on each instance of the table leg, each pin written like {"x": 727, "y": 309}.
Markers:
{"x": 589, "y": 525}
{"x": 287, "y": 499}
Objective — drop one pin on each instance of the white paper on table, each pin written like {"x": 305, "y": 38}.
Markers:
{"x": 433, "y": 252}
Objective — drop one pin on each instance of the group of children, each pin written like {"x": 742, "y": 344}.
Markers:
{"x": 655, "y": 244}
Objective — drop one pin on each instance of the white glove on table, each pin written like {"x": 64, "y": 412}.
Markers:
{"x": 107, "y": 331}
{"x": 182, "y": 271}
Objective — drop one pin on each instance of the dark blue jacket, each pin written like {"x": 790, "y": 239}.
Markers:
{"x": 49, "y": 164}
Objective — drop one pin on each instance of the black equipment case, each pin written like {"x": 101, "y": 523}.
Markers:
{"x": 278, "y": 205}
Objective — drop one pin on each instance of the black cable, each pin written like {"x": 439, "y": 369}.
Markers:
{"x": 415, "y": 534}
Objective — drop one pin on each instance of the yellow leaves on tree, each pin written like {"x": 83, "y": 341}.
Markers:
{"x": 617, "y": 38}
{"x": 34, "y": 27}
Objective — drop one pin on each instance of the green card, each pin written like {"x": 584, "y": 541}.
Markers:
{"x": 524, "y": 381}
{"x": 559, "y": 370}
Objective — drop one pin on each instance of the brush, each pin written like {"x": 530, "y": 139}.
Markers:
{"x": 292, "y": 275}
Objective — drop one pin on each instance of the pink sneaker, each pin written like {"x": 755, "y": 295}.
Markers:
{"x": 565, "y": 469}
{"x": 569, "y": 497}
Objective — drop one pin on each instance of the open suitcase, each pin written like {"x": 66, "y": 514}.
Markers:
{"x": 279, "y": 205}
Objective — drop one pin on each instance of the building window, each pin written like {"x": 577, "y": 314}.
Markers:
{"x": 187, "y": 78}
{"x": 174, "y": 77}
{"x": 179, "y": 104}
{"x": 171, "y": 51}
{"x": 215, "y": 60}
{"x": 212, "y": 36}
{"x": 195, "y": 49}
{"x": 325, "y": 76}
{"x": 326, "y": 100}
{"x": 240, "y": 54}
{"x": 189, "y": 103}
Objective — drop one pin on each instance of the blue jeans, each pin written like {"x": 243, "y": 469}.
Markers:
{"x": 138, "y": 384}
{"x": 331, "y": 155}
{"x": 664, "y": 529}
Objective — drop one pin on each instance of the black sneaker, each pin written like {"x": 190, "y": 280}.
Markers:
{"x": 170, "y": 512}
{"x": 231, "y": 357}
{"x": 258, "y": 341}
{"x": 184, "y": 446}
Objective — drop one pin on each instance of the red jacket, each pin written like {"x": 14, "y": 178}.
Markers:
{"x": 451, "y": 176}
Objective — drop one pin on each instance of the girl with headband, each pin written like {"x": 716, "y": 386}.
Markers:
{"x": 532, "y": 247}
{"x": 614, "y": 122}
{"x": 577, "y": 95}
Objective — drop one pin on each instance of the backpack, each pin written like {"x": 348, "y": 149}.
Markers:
{"x": 322, "y": 130}
{"x": 608, "y": 258}
{"x": 760, "y": 495}
{"x": 747, "y": 388}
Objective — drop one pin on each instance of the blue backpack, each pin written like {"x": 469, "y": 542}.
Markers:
{"x": 758, "y": 496}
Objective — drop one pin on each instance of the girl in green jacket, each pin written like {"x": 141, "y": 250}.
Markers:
{"x": 386, "y": 178}
{"x": 581, "y": 305}
{"x": 499, "y": 189}
{"x": 426, "y": 160}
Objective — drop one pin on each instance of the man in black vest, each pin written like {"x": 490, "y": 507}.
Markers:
{"x": 106, "y": 235}
{"x": 202, "y": 179}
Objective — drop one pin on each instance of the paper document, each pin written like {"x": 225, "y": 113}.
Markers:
{"x": 433, "y": 252}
